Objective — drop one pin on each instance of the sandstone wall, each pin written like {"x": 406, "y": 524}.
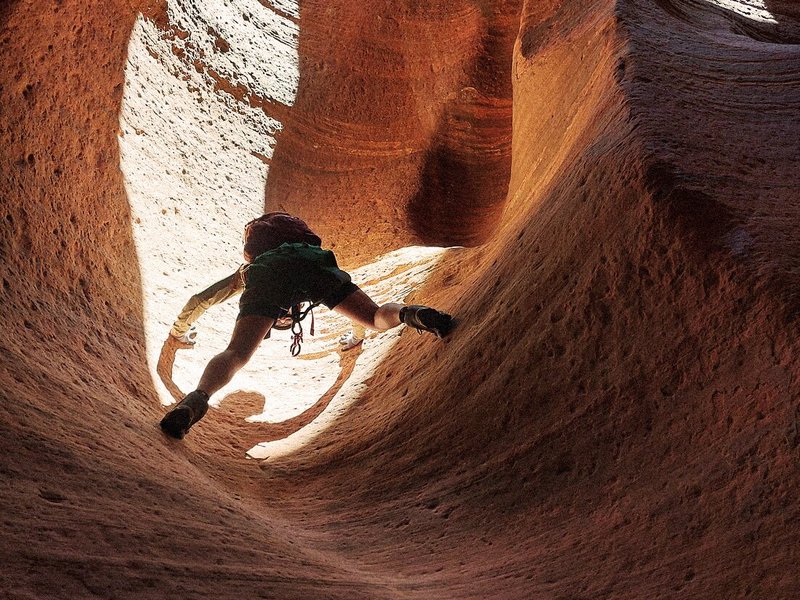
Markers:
{"x": 616, "y": 415}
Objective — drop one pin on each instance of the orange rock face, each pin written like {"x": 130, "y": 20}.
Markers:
{"x": 617, "y": 413}
{"x": 397, "y": 117}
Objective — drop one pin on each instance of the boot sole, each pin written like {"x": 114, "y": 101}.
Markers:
{"x": 442, "y": 327}
{"x": 439, "y": 324}
{"x": 177, "y": 422}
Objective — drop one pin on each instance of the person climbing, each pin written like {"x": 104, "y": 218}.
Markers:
{"x": 184, "y": 331}
{"x": 286, "y": 265}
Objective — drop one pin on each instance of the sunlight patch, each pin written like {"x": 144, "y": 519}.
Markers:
{"x": 195, "y": 158}
{"x": 755, "y": 10}
{"x": 244, "y": 42}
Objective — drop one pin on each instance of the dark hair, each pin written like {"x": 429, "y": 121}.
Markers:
{"x": 272, "y": 229}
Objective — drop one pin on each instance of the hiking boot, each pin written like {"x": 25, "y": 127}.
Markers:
{"x": 423, "y": 318}
{"x": 190, "y": 410}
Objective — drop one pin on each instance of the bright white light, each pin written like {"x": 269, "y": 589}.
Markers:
{"x": 194, "y": 158}
{"x": 755, "y": 10}
{"x": 260, "y": 46}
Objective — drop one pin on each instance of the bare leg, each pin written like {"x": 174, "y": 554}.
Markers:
{"x": 247, "y": 335}
{"x": 362, "y": 309}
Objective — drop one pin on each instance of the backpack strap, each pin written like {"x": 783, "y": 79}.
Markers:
{"x": 297, "y": 328}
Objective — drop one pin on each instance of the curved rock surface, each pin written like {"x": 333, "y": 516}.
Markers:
{"x": 615, "y": 417}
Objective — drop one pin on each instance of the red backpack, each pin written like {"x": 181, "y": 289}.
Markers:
{"x": 269, "y": 231}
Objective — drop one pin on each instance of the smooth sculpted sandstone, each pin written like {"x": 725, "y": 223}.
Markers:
{"x": 402, "y": 123}
{"x": 615, "y": 417}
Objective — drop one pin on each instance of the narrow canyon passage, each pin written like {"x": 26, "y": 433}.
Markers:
{"x": 604, "y": 194}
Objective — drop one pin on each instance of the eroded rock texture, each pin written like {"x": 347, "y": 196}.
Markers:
{"x": 397, "y": 125}
{"x": 617, "y": 414}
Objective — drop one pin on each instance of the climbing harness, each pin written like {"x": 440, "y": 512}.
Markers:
{"x": 298, "y": 314}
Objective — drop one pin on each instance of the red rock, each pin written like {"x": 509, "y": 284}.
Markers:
{"x": 617, "y": 414}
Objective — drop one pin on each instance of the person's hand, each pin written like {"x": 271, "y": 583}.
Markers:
{"x": 349, "y": 341}
{"x": 185, "y": 341}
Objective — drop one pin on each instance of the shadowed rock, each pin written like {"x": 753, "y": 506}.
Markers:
{"x": 616, "y": 415}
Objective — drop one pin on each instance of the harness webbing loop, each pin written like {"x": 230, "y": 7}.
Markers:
{"x": 297, "y": 328}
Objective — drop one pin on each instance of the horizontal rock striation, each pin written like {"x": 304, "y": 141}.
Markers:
{"x": 617, "y": 413}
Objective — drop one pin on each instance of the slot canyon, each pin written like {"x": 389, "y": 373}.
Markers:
{"x": 604, "y": 194}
